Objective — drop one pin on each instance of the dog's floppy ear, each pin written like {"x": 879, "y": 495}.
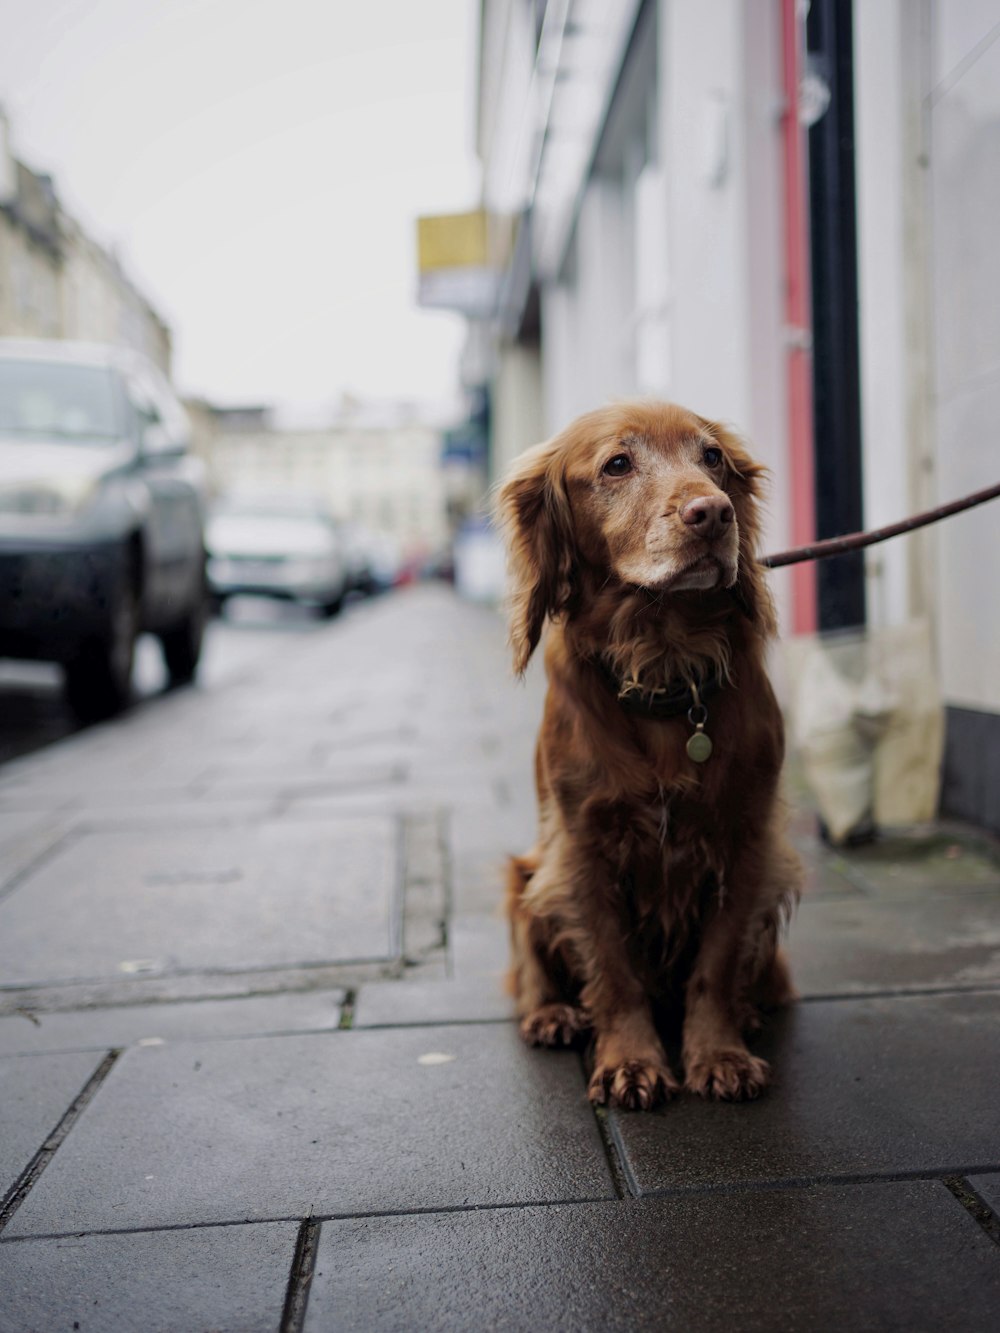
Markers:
{"x": 534, "y": 511}
{"x": 745, "y": 487}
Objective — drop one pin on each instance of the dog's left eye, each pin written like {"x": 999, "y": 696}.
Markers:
{"x": 618, "y": 466}
{"x": 712, "y": 457}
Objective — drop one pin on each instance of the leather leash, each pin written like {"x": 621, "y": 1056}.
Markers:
{"x": 821, "y": 550}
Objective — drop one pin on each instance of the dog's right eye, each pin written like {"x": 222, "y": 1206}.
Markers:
{"x": 619, "y": 466}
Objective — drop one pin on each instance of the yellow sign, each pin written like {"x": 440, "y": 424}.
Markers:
{"x": 452, "y": 240}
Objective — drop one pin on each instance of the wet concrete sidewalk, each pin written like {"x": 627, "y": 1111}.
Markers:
{"x": 257, "y": 1070}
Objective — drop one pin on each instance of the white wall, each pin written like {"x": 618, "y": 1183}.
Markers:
{"x": 506, "y": 103}
{"x": 518, "y": 415}
{"x": 701, "y": 79}
{"x": 964, "y": 111}
{"x": 893, "y": 308}
{"x": 927, "y": 103}
{"x": 587, "y": 319}
{"x": 707, "y": 296}
{"x": 763, "y": 261}
{"x": 720, "y": 132}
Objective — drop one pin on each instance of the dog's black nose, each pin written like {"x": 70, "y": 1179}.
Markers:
{"x": 710, "y": 514}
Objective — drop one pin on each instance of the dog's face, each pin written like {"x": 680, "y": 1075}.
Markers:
{"x": 644, "y": 495}
{"x": 651, "y": 504}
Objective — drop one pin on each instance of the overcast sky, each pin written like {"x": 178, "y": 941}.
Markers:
{"x": 260, "y": 164}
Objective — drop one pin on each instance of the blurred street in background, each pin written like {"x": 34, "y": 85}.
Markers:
{"x": 34, "y": 702}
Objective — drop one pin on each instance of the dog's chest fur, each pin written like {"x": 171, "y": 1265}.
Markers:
{"x": 671, "y": 876}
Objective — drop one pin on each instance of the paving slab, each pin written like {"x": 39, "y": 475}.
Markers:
{"x": 187, "y": 812}
{"x": 97, "y": 795}
{"x": 35, "y": 1093}
{"x": 120, "y": 759}
{"x": 24, "y": 836}
{"x": 389, "y": 801}
{"x": 350, "y": 1122}
{"x": 364, "y": 734}
{"x": 263, "y": 895}
{"x": 901, "y": 1256}
{"x": 988, "y": 1189}
{"x": 479, "y": 946}
{"x": 825, "y": 877}
{"x": 861, "y": 1088}
{"x": 292, "y": 783}
{"x": 108, "y": 1026}
{"x": 322, "y": 759}
{"x": 924, "y": 862}
{"x": 208, "y": 1278}
{"x": 458, "y": 789}
{"x": 481, "y": 838}
{"x": 853, "y": 945}
{"x": 414, "y": 1003}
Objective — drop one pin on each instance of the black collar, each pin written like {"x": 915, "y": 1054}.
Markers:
{"x": 671, "y": 700}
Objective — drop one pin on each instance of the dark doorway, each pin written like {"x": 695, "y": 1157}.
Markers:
{"x": 833, "y": 237}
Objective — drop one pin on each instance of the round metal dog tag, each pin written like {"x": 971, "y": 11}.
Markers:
{"x": 699, "y": 747}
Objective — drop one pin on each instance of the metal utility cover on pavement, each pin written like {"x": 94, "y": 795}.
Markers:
{"x": 126, "y": 903}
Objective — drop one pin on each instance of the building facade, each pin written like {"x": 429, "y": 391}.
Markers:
{"x": 779, "y": 215}
{"x": 55, "y": 281}
{"x": 378, "y": 468}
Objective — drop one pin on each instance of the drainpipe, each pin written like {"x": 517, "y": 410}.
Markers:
{"x": 798, "y": 325}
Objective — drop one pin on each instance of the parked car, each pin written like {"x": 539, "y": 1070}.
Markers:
{"x": 359, "y": 554}
{"x": 385, "y": 559}
{"x": 277, "y": 546}
{"x": 101, "y": 518}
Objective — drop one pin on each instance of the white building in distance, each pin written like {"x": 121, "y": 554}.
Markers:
{"x": 378, "y": 466}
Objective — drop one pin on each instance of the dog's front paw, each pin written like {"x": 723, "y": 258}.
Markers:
{"x": 637, "y": 1085}
{"x": 555, "y": 1025}
{"x": 729, "y": 1076}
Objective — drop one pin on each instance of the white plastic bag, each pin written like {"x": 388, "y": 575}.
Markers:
{"x": 868, "y": 723}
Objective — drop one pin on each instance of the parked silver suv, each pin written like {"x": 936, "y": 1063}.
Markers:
{"x": 101, "y": 517}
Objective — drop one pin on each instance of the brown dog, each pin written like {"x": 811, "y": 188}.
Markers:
{"x": 661, "y": 878}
